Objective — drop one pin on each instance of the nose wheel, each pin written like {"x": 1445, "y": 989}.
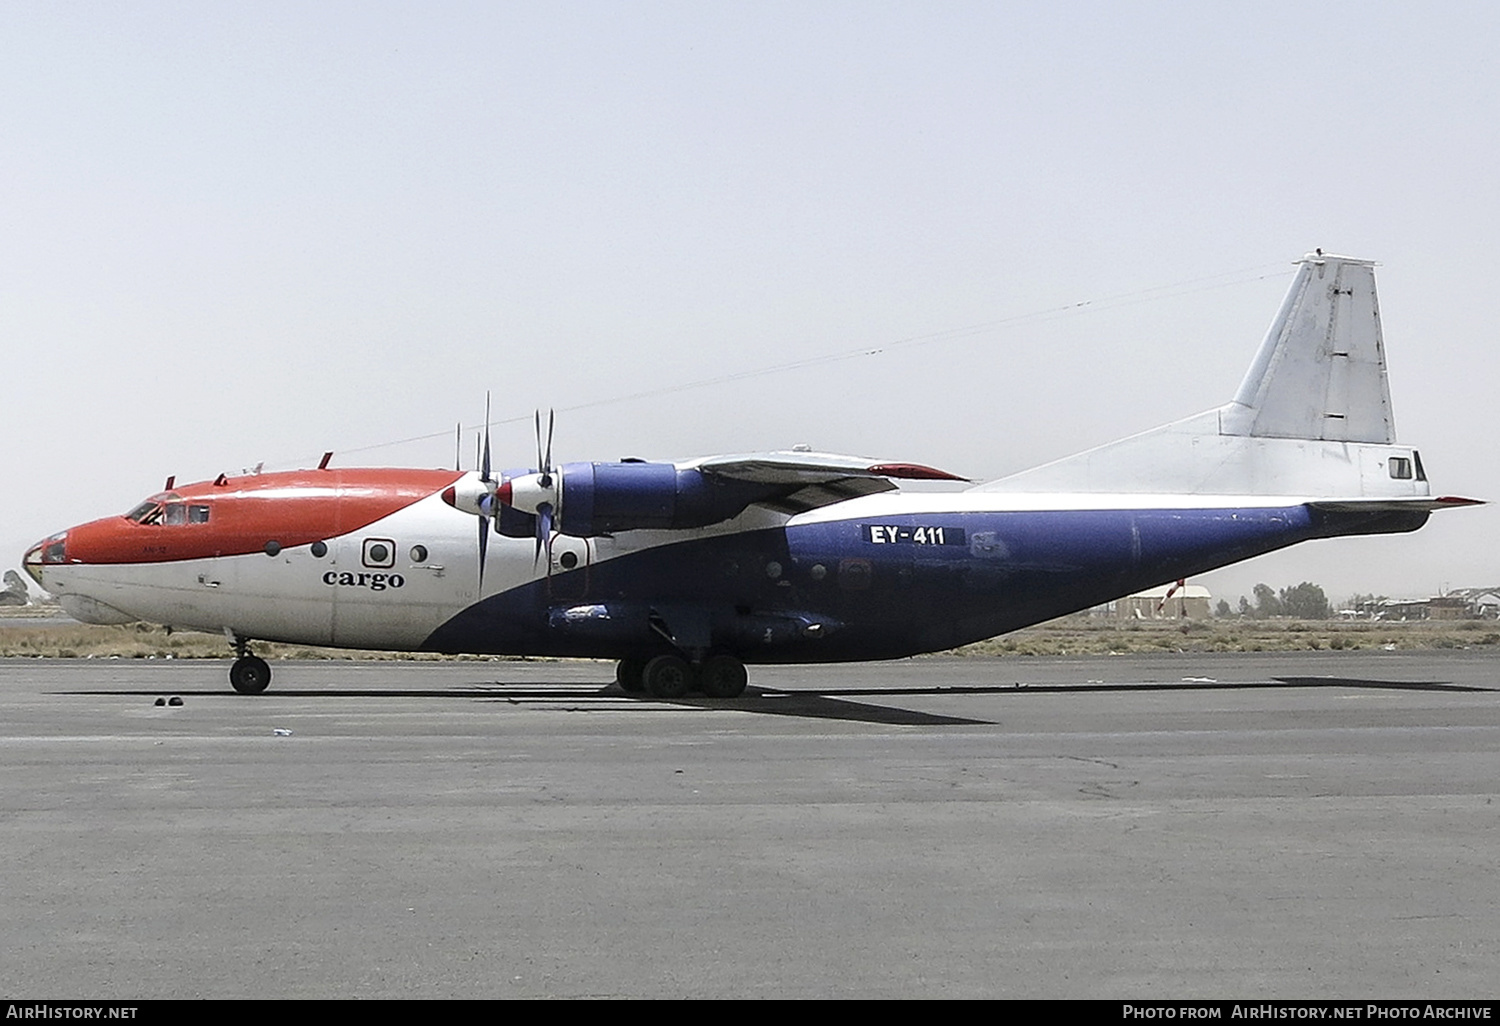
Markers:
{"x": 249, "y": 674}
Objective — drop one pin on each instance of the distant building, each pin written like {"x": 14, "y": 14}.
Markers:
{"x": 1456, "y": 604}
{"x": 1190, "y": 602}
{"x": 1448, "y": 607}
{"x": 1478, "y": 603}
{"x": 1395, "y": 609}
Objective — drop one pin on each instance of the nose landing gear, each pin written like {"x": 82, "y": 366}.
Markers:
{"x": 249, "y": 674}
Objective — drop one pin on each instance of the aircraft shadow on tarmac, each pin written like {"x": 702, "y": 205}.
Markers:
{"x": 813, "y": 704}
{"x": 822, "y": 703}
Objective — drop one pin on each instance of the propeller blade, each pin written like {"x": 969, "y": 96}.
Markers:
{"x": 541, "y": 465}
{"x": 484, "y": 544}
{"x": 543, "y": 535}
{"x": 484, "y": 472}
{"x": 551, "y": 420}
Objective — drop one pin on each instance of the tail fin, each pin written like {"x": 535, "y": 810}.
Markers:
{"x": 1320, "y": 374}
{"x": 1312, "y": 418}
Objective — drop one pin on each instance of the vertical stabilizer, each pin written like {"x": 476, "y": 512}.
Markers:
{"x": 1320, "y": 374}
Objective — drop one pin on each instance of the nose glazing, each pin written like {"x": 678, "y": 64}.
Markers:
{"x": 49, "y": 551}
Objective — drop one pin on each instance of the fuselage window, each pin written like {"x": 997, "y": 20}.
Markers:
{"x": 379, "y": 552}
{"x": 855, "y": 574}
{"x": 1421, "y": 474}
{"x": 178, "y": 513}
{"x": 1400, "y": 468}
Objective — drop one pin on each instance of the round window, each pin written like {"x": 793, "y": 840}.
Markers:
{"x": 419, "y": 553}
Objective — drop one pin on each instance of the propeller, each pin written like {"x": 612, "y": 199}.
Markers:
{"x": 487, "y": 501}
{"x": 546, "y": 507}
{"x": 478, "y": 497}
{"x": 539, "y": 493}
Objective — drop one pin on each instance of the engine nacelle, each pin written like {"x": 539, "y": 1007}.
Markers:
{"x": 603, "y": 498}
{"x": 589, "y": 499}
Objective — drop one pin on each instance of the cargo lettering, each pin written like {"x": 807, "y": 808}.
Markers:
{"x": 375, "y": 582}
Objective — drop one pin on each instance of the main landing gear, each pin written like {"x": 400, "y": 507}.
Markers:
{"x": 249, "y": 674}
{"x": 671, "y": 676}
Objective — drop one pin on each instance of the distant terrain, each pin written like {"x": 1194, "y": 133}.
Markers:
{"x": 45, "y": 632}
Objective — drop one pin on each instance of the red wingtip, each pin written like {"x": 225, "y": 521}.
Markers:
{"x": 1458, "y": 500}
{"x": 914, "y": 472}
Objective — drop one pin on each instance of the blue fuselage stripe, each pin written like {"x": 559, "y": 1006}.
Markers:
{"x": 884, "y": 586}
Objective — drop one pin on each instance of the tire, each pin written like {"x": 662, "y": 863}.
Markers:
{"x": 630, "y": 675}
{"x": 250, "y": 675}
{"x": 722, "y": 676}
{"x": 668, "y": 676}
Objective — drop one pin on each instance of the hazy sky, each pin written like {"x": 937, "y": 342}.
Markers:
{"x": 243, "y": 233}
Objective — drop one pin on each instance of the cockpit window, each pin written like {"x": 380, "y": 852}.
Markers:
{"x": 148, "y": 512}
{"x": 168, "y": 509}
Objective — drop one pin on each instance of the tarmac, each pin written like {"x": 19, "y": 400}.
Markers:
{"x": 1320, "y": 825}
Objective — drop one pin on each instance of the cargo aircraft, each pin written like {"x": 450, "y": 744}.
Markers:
{"x": 686, "y": 571}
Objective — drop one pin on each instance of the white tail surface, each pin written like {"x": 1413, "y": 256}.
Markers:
{"x": 1312, "y": 418}
{"x": 1320, "y": 374}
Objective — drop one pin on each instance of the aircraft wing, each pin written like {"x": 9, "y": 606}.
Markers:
{"x": 815, "y": 478}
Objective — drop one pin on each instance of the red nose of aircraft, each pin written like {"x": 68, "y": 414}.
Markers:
{"x": 49, "y": 550}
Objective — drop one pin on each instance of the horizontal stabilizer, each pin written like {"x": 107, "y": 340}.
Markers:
{"x": 1424, "y": 505}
